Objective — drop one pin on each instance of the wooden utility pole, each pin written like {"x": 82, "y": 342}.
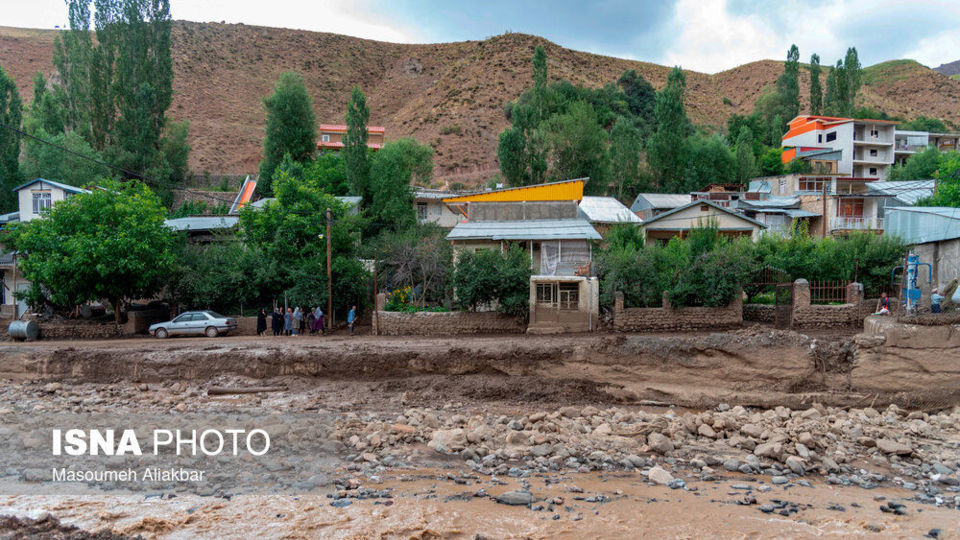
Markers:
{"x": 376, "y": 308}
{"x": 329, "y": 275}
{"x": 825, "y": 209}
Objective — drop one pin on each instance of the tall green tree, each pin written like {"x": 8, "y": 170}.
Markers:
{"x": 854, "y": 75}
{"x": 355, "y": 145}
{"x": 393, "y": 168}
{"x": 788, "y": 86}
{"x": 625, "y": 146}
{"x": 708, "y": 161}
{"x": 115, "y": 90}
{"x": 11, "y": 114}
{"x": 539, "y": 82}
{"x": 291, "y": 128}
{"x": 641, "y": 97}
{"x": 110, "y": 244}
{"x": 45, "y": 111}
{"x": 42, "y": 160}
{"x": 744, "y": 156}
{"x": 665, "y": 151}
{"x": 920, "y": 166}
{"x": 816, "y": 90}
{"x": 512, "y": 155}
{"x": 830, "y": 96}
{"x": 578, "y": 147}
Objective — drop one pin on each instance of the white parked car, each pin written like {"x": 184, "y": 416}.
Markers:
{"x": 207, "y": 323}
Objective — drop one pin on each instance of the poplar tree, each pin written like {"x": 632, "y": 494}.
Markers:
{"x": 788, "y": 85}
{"x": 11, "y": 112}
{"x": 291, "y": 127}
{"x": 355, "y": 145}
{"x": 665, "y": 151}
{"x": 816, "y": 90}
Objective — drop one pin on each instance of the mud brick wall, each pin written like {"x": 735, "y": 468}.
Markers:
{"x": 669, "y": 318}
{"x": 807, "y": 315}
{"x": 761, "y": 313}
{"x": 394, "y": 323}
{"x": 70, "y": 330}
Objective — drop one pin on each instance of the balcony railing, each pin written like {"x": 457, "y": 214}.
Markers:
{"x": 856, "y": 224}
{"x": 910, "y": 147}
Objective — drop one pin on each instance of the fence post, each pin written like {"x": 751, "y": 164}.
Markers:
{"x": 617, "y": 306}
{"x": 801, "y": 293}
{"x": 665, "y": 301}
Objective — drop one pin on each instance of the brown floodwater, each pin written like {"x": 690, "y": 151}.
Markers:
{"x": 441, "y": 504}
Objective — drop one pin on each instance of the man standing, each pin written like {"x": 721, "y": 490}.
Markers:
{"x": 351, "y": 317}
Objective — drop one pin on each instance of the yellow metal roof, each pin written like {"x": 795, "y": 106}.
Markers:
{"x": 567, "y": 190}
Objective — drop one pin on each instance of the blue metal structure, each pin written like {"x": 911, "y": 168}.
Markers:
{"x": 911, "y": 288}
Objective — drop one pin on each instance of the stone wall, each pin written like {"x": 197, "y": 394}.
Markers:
{"x": 669, "y": 319}
{"x": 70, "y": 330}
{"x": 761, "y": 313}
{"x": 394, "y": 323}
{"x": 807, "y": 315}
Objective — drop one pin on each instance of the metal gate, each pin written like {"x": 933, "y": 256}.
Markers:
{"x": 783, "y": 301}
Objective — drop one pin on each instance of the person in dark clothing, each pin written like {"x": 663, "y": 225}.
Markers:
{"x": 261, "y": 321}
{"x": 277, "y": 321}
{"x": 308, "y": 321}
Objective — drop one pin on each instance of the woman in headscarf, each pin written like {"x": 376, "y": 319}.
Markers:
{"x": 288, "y": 322}
{"x": 261, "y": 321}
{"x": 277, "y": 322}
{"x": 318, "y": 320}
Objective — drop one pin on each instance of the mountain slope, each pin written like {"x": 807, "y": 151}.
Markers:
{"x": 950, "y": 69}
{"x": 449, "y": 95}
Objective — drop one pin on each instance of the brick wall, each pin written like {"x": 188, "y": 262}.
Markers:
{"x": 668, "y": 318}
{"x": 70, "y": 330}
{"x": 394, "y": 323}
{"x": 761, "y": 313}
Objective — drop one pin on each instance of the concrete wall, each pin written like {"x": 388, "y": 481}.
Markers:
{"x": 945, "y": 258}
{"x": 899, "y": 357}
{"x": 670, "y": 319}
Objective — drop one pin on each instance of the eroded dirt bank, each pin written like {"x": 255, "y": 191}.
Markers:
{"x": 750, "y": 367}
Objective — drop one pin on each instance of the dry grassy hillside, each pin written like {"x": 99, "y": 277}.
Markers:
{"x": 449, "y": 95}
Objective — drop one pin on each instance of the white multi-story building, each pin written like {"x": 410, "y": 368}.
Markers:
{"x": 908, "y": 143}
{"x": 866, "y": 146}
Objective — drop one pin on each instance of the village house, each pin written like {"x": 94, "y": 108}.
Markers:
{"x": 908, "y": 143}
{"x": 543, "y": 220}
{"x": 430, "y": 208}
{"x": 649, "y": 205}
{"x": 605, "y": 212}
{"x": 331, "y": 137}
{"x": 865, "y": 146}
{"x": 33, "y": 199}
{"x": 698, "y": 214}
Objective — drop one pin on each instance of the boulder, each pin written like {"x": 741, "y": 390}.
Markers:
{"x": 797, "y": 465}
{"x": 751, "y": 430}
{"x": 889, "y": 446}
{"x": 660, "y": 476}
{"x": 707, "y": 431}
{"x": 516, "y": 498}
{"x": 659, "y": 443}
{"x": 771, "y": 450}
{"x": 447, "y": 439}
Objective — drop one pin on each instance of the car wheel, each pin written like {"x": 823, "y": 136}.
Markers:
{"x": 161, "y": 333}
{"x": 211, "y": 331}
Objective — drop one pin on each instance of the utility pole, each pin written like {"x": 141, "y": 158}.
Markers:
{"x": 376, "y": 308}
{"x": 329, "y": 275}
{"x": 825, "y": 208}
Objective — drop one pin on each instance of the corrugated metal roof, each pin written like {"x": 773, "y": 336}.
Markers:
{"x": 433, "y": 194}
{"x": 908, "y": 191}
{"x": 202, "y": 223}
{"x": 11, "y": 217}
{"x": 531, "y": 229}
{"x": 350, "y": 199}
{"x": 918, "y": 225}
{"x": 65, "y": 187}
{"x": 606, "y": 210}
{"x": 772, "y": 202}
{"x": 797, "y": 213}
{"x": 659, "y": 200}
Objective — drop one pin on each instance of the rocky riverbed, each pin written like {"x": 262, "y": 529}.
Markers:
{"x": 345, "y": 454}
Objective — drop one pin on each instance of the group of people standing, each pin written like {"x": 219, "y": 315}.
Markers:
{"x": 296, "y": 322}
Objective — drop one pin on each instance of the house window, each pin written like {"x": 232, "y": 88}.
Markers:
{"x": 873, "y": 152}
{"x": 851, "y": 208}
{"x": 704, "y": 208}
{"x": 819, "y": 137}
{"x": 783, "y": 185}
{"x": 325, "y": 138}
{"x": 569, "y": 296}
{"x": 875, "y": 133}
{"x": 811, "y": 184}
{"x": 422, "y": 211}
{"x": 873, "y": 171}
{"x": 42, "y": 201}
{"x": 546, "y": 293}
{"x": 832, "y": 136}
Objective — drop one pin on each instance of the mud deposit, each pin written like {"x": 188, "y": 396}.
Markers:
{"x": 754, "y": 433}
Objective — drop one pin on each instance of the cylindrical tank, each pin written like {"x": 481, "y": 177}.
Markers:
{"x": 28, "y": 330}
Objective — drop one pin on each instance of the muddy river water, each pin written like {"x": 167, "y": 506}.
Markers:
{"x": 458, "y": 504}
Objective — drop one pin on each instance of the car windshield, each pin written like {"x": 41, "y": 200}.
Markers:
{"x": 214, "y": 314}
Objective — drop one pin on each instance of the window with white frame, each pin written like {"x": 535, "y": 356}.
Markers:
{"x": 41, "y": 201}
{"x": 422, "y": 211}
{"x": 325, "y": 138}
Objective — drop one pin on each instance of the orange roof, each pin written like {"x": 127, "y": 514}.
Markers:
{"x": 340, "y": 128}
{"x": 328, "y": 144}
